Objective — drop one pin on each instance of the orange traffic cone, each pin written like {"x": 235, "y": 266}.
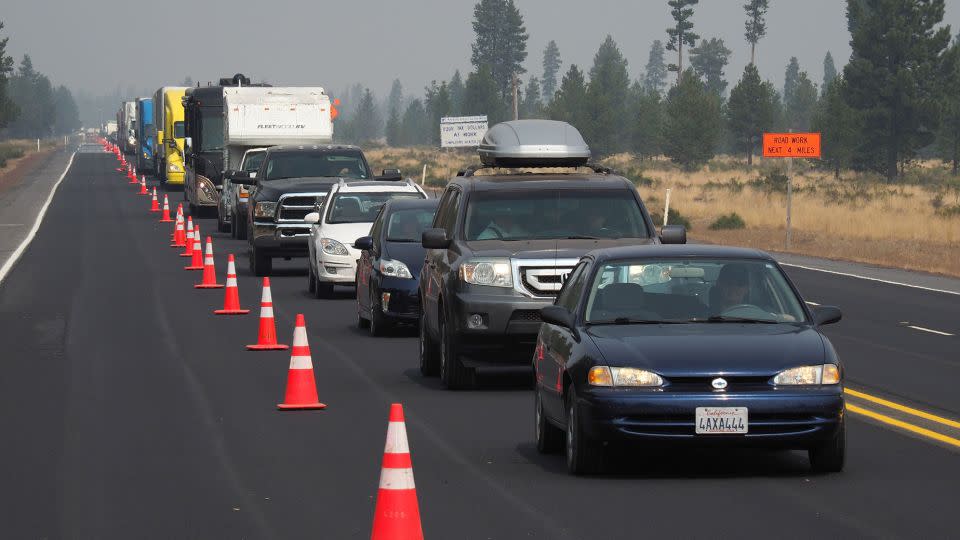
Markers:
{"x": 178, "y": 232}
{"x": 301, "y": 386}
{"x": 267, "y": 337}
{"x": 231, "y": 299}
{"x": 179, "y": 216}
{"x": 166, "y": 210}
{"x": 397, "y": 516}
{"x": 154, "y": 204}
{"x": 188, "y": 241}
{"x": 197, "y": 262}
{"x": 143, "y": 186}
{"x": 209, "y": 280}
{"x": 132, "y": 175}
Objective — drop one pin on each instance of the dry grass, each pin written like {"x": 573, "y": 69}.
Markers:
{"x": 913, "y": 225}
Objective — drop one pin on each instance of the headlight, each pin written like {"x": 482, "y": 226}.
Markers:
{"x": 396, "y": 269}
{"x": 174, "y": 168}
{"x": 608, "y": 376}
{"x": 265, "y": 209}
{"x": 333, "y": 247}
{"x": 492, "y": 272}
{"x": 808, "y": 375}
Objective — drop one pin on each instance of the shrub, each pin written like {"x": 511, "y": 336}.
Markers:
{"x": 729, "y": 221}
{"x": 772, "y": 182}
{"x": 8, "y": 152}
{"x": 676, "y": 218}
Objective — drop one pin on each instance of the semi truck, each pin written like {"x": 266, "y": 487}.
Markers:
{"x": 146, "y": 131}
{"x": 168, "y": 143}
{"x": 126, "y": 127}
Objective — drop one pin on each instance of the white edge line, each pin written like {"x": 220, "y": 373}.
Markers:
{"x": 815, "y": 269}
{"x": 922, "y": 329}
{"x": 15, "y": 256}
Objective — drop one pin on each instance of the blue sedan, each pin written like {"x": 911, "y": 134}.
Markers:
{"x": 686, "y": 345}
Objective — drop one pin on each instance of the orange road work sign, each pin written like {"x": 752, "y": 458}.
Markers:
{"x": 791, "y": 145}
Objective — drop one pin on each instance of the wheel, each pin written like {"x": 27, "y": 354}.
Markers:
{"x": 429, "y": 363}
{"x": 830, "y": 455}
{"x": 549, "y": 437}
{"x": 235, "y": 226}
{"x": 311, "y": 280}
{"x": 222, "y": 226}
{"x": 584, "y": 456}
{"x": 453, "y": 374}
{"x": 260, "y": 265}
{"x": 379, "y": 325}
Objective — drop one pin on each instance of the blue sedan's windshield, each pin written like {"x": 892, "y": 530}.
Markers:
{"x": 694, "y": 290}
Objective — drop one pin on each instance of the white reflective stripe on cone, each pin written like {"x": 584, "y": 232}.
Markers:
{"x": 301, "y": 362}
{"x": 300, "y": 337}
{"x": 231, "y": 281}
{"x": 266, "y": 296}
{"x": 396, "y": 439}
{"x": 266, "y": 312}
{"x": 396, "y": 479}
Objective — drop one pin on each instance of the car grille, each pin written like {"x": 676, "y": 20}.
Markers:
{"x": 683, "y": 425}
{"x": 703, "y": 384}
{"x": 293, "y": 208}
{"x": 526, "y": 315}
{"x": 544, "y": 281}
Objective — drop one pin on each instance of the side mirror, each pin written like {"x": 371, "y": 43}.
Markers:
{"x": 826, "y": 315}
{"x": 673, "y": 234}
{"x": 171, "y": 143}
{"x": 363, "y": 243}
{"x": 391, "y": 175}
{"x": 237, "y": 177}
{"x": 312, "y": 218}
{"x": 435, "y": 239}
{"x": 560, "y": 316}
{"x": 188, "y": 144}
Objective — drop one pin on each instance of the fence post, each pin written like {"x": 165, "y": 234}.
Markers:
{"x": 666, "y": 208}
{"x": 423, "y": 177}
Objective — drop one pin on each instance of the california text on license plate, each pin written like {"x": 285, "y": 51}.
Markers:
{"x": 721, "y": 420}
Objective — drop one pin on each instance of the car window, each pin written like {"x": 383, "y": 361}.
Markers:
{"x": 693, "y": 290}
{"x": 447, "y": 220}
{"x": 253, "y": 160}
{"x": 377, "y": 228}
{"x": 341, "y": 163}
{"x": 554, "y": 214}
{"x": 408, "y": 225}
{"x": 363, "y": 207}
{"x": 573, "y": 287}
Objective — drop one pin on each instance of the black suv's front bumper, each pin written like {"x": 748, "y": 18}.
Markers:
{"x": 509, "y": 331}
{"x": 280, "y": 240}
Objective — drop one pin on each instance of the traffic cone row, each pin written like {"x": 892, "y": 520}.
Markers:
{"x": 154, "y": 204}
{"x": 209, "y": 280}
{"x": 166, "y": 210}
{"x": 267, "y": 336}
{"x": 197, "y": 262}
{"x": 188, "y": 241}
{"x": 231, "y": 300}
{"x": 143, "y": 186}
{"x": 301, "y": 386}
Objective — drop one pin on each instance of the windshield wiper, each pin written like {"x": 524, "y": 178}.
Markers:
{"x": 628, "y": 320}
{"x": 582, "y": 237}
{"x": 728, "y": 319}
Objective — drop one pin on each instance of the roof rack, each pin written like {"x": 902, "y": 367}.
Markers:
{"x": 595, "y": 167}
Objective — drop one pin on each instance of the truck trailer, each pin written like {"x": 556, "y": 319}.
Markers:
{"x": 126, "y": 127}
{"x": 146, "y": 132}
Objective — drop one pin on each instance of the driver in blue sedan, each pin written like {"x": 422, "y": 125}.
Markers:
{"x": 732, "y": 288}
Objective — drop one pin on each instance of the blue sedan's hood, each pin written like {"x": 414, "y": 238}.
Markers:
{"x": 691, "y": 350}
{"x": 409, "y": 253}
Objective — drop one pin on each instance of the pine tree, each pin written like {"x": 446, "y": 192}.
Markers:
{"x": 482, "y": 96}
{"x": 570, "y": 103}
{"x": 681, "y": 33}
{"x": 501, "y": 41}
{"x": 415, "y": 128}
{"x": 456, "y": 94}
{"x": 790, "y": 79}
{"x": 829, "y": 71}
{"x": 366, "y": 120}
{"x": 750, "y": 111}
{"x": 692, "y": 122}
{"x": 756, "y": 25}
{"x": 839, "y": 127}
{"x": 655, "y": 77}
{"x": 799, "y": 110}
{"x": 551, "y": 69}
{"x": 394, "y": 108}
{"x": 8, "y": 109}
{"x": 708, "y": 61}
{"x": 894, "y": 78}
{"x": 607, "y": 96}
{"x": 948, "y": 137}
{"x": 532, "y": 104}
{"x": 66, "y": 116}
{"x": 437, "y": 104}
{"x": 646, "y": 120}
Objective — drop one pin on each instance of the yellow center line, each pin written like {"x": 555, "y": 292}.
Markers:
{"x": 904, "y": 425}
{"x": 903, "y": 408}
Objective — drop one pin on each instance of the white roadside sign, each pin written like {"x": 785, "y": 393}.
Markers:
{"x": 462, "y": 131}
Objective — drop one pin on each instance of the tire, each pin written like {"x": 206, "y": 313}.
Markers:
{"x": 584, "y": 455}
{"x": 324, "y": 289}
{"x": 429, "y": 359}
{"x": 548, "y": 436}
{"x": 260, "y": 265}
{"x": 222, "y": 226}
{"x": 311, "y": 280}
{"x": 453, "y": 374}
{"x": 235, "y": 227}
{"x": 830, "y": 455}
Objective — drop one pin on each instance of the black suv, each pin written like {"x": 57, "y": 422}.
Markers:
{"x": 292, "y": 182}
{"x": 502, "y": 245}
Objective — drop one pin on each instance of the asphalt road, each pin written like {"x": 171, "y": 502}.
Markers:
{"x": 128, "y": 410}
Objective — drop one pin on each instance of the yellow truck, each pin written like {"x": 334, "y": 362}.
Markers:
{"x": 168, "y": 117}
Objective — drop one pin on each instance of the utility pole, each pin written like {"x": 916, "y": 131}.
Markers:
{"x": 516, "y": 109}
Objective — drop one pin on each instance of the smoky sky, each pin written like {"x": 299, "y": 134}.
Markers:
{"x": 97, "y": 46}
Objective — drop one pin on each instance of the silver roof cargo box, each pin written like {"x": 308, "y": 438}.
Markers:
{"x": 533, "y": 143}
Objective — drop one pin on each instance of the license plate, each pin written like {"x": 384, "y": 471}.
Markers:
{"x": 721, "y": 420}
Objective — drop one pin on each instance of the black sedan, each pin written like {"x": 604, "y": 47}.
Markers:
{"x": 698, "y": 345}
{"x": 388, "y": 271}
